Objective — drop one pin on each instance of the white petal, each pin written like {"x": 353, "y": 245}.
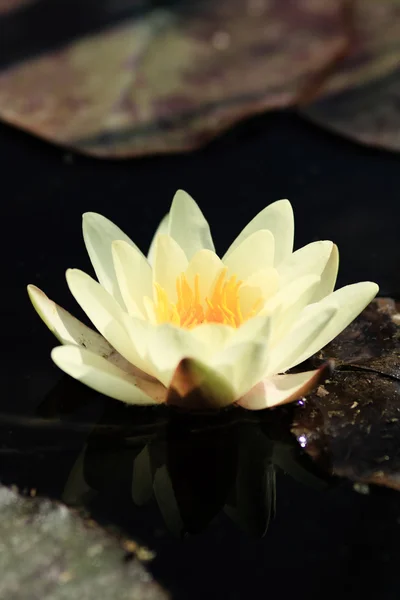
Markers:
{"x": 97, "y": 373}
{"x": 188, "y": 226}
{"x": 134, "y": 275}
{"x": 349, "y": 301}
{"x": 286, "y": 305}
{"x": 242, "y": 365}
{"x": 280, "y": 389}
{"x": 254, "y": 253}
{"x": 256, "y": 329}
{"x": 208, "y": 266}
{"x": 161, "y": 229}
{"x": 310, "y": 259}
{"x": 289, "y": 293}
{"x": 259, "y": 286}
{"x": 98, "y": 234}
{"x": 169, "y": 262}
{"x": 287, "y": 351}
{"x": 168, "y": 345}
{"x": 328, "y": 276}
{"x": 103, "y": 310}
{"x": 197, "y": 386}
{"x": 214, "y": 335}
{"x": 140, "y": 332}
{"x": 278, "y": 219}
{"x": 66, "y": 328}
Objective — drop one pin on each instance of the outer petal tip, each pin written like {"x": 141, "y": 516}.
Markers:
{"x": 282, "y": 389}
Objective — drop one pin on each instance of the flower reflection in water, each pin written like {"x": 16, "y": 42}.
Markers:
{"x": 193, "y": 467}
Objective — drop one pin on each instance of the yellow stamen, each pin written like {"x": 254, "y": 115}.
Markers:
{"x": 222, "y": 306}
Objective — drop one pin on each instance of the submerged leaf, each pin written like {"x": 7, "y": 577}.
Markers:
{"x": 163, "y": 79}
{"x": 9, "y": 5}
{"x": 352, "y": 423}
{"x": 360, "y": 99}
{"x": 57, "y": 555}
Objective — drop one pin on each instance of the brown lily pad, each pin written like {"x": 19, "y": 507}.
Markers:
{"x": 173, "y": 77}
{"x": 352, "y": 423}
{"x": 360, "y": 98}
{"x": 9, "y": 5}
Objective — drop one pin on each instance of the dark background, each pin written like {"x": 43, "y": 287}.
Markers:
{"x": 321, "y": 543}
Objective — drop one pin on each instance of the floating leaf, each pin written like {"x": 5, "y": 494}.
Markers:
{"x": 360, "y": 99}
{"x": 352, "y": 422}
{"x": 165, "y": 78}
{"x": 9, "y": 5}
{"x": 48, "y": 552}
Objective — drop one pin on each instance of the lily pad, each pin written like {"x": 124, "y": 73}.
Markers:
{"x": 48, "y": 551}
{"x": 360, "y": 98}
{"x": 167, "y": 77}
{"x": 9, "y": 5}
{"x": 351, "y": 424}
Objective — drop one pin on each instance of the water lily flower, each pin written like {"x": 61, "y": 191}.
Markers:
{"x": 185, "y": 327}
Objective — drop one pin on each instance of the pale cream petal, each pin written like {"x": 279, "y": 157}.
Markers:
{"x": 98, "y": 234}
{"x": 168, "y": 345}
{"x": 278, "y": 219}
{"x": 286, "y": 305}
{"x": 134, "y": 275}
{"x": 150, "y": 309}
{"x": 310, "y": 259}
{"x": 243, "y": 365}
{"x": 349, "y": 302}
{"x": 328, "y": 276}
{"x": 161, "y": 229}
{"x": 188, "y": 226}
{"x": 139, "y": 332}
{"x": 256, "y": 329}
{"x": 257, "y": 289}
{"x": 169, "y": 262}
{"x": 66, "y": 328}
{"x": 281, "y": 389}
{"x": 215, "y": 335}
{"x": 208, "y": 266}
{"x": 254, "y": 253}
{"x": 197, "y": 386}
{"x": 99, "y": 374}
{"x": 290, "y": 292}
{"x": 285, "y": 353}
{"x": 103, "y": 310}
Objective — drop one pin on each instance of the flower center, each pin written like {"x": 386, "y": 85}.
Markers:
{"x": 222, "y": 306}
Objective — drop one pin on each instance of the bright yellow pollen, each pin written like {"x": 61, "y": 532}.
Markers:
{"x": 223, "y": 306}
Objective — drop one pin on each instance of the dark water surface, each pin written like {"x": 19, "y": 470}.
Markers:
{"x": 201, "y": 492}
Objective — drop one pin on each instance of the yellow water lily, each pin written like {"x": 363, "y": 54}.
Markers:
{"x": 186, "y": 327}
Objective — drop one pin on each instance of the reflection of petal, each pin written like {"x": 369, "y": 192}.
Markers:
{"x": 191, "y": 487}
{"x": 167, "y": 503}
{"x": 288, "y": 458}
{"x": 76, "y": 490}
{"x": 142, "y": 485}
{"x": 252, "y": 503}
